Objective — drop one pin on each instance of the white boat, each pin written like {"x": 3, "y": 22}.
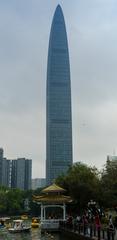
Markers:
{"x": 19, "y": 226}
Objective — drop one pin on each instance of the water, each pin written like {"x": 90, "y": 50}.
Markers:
{"x": 34, "y": 234}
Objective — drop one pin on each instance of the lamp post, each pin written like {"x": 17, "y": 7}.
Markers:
{"x": 92, "y": 206}
{"x": 91, "y": 203}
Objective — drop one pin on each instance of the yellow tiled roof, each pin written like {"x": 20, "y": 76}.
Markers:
{"x": 52, "y": 198}
{"x": 53, "y": 188}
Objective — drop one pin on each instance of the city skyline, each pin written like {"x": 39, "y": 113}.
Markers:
{"x": 15, "y": 173}
{"x": 58, "y": 101}
{"x": 91, "y": 31}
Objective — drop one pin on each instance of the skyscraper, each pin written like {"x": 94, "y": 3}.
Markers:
{"x": 21, "y": 173}
{"x": 58, "y": 101}
{"x": 6, "y": 175}
{"x": 1, "y": 165}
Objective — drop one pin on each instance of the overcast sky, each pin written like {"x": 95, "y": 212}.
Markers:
{"x": 92, "y": 35}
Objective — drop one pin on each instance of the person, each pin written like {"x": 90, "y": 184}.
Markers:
{"x": 97, "y": 221}
{"x": 85, "y": 224}
{"x": 115, "y": 226}
{"x": 110, "y": 230}
{"x": 110, "y": 224}
{"x": 84, "y": 219}
{"x": 70, "y": 221}
{"x": 115, "y": 222}
{"x": 97, "y": 224}
{"x": 78, "y": 219}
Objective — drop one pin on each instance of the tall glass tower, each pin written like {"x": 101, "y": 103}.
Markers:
{"x": 58, "y": 101}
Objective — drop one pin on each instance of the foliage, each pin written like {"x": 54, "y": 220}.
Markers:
{"x": 81, "y": 182}
{"x": 3, "y": 201}
{"x": 109, "y": 184}
{"x": 14, "y": 201}
{"x": 84, "y": 183}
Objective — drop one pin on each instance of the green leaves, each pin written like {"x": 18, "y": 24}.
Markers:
{"x": 84, "y": 183}
{"x": 81, "y": 183}
{"x": 109, "y": 183}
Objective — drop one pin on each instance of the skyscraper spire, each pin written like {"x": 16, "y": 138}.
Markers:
{"x": 58, "y": 101}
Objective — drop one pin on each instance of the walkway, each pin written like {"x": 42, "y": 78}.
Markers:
{"x": 89, "y": 231}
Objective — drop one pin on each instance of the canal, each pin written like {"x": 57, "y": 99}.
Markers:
{"x": 34, "y": 234}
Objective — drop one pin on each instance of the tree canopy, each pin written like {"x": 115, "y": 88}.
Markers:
{"x": 109, "y": 184}
{"x": 81, "y": 182}
{"x": 84, "y": 183}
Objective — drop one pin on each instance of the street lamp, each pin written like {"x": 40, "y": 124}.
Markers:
{"x": 92, "y": 207}
{"x": 91, "y": 203}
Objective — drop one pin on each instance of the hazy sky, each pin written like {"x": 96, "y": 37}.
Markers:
{"x": 92, "y": 36}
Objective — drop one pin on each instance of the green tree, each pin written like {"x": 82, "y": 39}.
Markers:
{"x": 14, "y": 201}
{"x": 109, "y": 184}
{"x": 3, "y": 201}
{"x": 81, "y": 182}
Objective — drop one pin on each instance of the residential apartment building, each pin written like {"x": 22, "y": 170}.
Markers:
{"x": 21, "y": 173}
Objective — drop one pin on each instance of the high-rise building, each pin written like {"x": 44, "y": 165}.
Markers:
{"x": 14, "y": 174}
{"x": 38, "y": 183}
{"x": 28, "y": 174}
{"x": 112, "y": 158}
{"x": 1, "y": 165}
{"x": 21, "y": 173}
{"x": 6, "y": 175}
{"x": 58, "y": 101}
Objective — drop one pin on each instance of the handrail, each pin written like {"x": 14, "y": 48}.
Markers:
{"x": 89, "y": 230}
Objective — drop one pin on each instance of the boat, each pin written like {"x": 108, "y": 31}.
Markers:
{"x": 24, "y": 217}
{"x": 1, "y": 225}
{"x": 35, "y": 222}
{"x": 4, "y": 221}
{"x": 19, "y": 226}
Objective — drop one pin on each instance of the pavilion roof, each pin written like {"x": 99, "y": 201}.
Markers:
{"x": 53, "y": 188}
{"x": 52, "y": 198}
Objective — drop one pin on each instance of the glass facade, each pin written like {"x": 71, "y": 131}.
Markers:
{"x": 58, "y": 105}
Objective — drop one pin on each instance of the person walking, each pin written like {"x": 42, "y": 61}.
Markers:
{"x": 97, "y": 224}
